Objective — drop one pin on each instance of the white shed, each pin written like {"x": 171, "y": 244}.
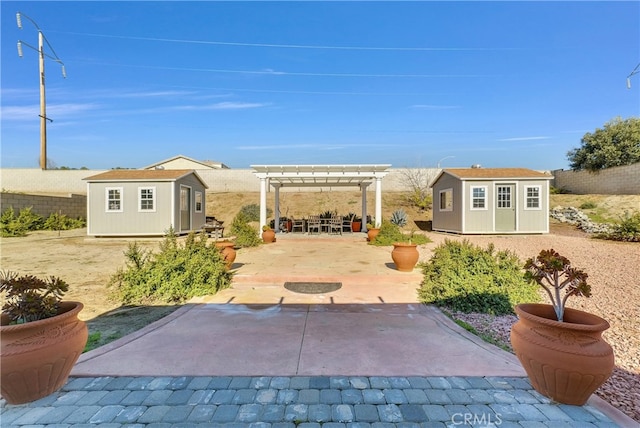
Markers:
{"x": 491, "y": 201}
{"x": 145, "y": 202}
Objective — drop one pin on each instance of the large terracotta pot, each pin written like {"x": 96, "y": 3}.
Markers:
{"x": 565, "y": 361}
{"x": 228, "y": 252}
{"x": 38, "y": 356}
{"x": 372, "y": 233}
{"x": 268, "y": 236}
{"x": 405, "y": 256}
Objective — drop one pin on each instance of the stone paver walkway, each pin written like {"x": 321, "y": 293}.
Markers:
{"x": 304, "y": 402}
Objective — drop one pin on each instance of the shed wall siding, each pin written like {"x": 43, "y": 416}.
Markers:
{"x": 448, "y": 221}
{"x": 130, "y": 221}
{"x": 478, "y": 221}
{"x": 533, "y": 221}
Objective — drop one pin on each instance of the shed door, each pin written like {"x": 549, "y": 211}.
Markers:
{"x": 185, "y": 208}
{"x": 505, "y": 208}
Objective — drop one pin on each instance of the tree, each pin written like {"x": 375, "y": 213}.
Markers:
{"x": 616, "y": 144}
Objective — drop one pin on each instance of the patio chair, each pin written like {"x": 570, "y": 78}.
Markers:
{"x": 314, "y": 223}
{"x": 335, "y": 225}
{"x": 346, "y": 224}
{"x": 298, "y": 224}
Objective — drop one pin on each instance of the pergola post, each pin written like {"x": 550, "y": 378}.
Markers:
{"x": 363, "y": 187}
{"x": 263, "y": 201}
{"x": 378, "y": 221}
{"x": 276, "y": 225}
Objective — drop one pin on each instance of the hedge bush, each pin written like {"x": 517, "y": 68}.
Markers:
{"x": 391, "y": 233}
{"x": 26, "y": 220}
{"x": 246, "y": 234}
{"x": 252, "y": 212}
{"x": 173, "y": 275}
{"x": 467, "y": 278}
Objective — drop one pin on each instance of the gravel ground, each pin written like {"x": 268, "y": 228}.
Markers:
{"x": 613, "y": 269}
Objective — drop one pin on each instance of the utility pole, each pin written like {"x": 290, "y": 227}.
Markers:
{"x": 43, "y": 102}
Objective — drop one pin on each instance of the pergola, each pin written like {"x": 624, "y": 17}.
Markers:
{"x": 280, "y": 176}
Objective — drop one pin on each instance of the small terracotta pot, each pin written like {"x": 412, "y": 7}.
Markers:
{"x": 565, "y": 361}
{"x": 228, "y": 252}
{"x": 356, "y": 226}
{"x": 268, "y": 236}
{"x": 38, "y": 356}
{"x": 405, "y": 256}
{"x": 372, "y": 233}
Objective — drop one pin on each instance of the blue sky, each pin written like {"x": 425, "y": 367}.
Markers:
{"x": 502, "y": 84}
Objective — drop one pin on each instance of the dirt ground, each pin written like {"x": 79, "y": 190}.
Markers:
{"x": 87, "y": 263}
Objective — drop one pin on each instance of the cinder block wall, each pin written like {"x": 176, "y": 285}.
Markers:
{"x": 73, "y": 206}
{"x": 219, "y": 180}
{"x": 620, "y": 180}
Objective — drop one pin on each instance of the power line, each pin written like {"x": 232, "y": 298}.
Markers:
{"x": 289, "y": 73}
{"x": 286, "y": 46}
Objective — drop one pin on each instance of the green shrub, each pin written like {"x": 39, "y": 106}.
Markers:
{"x": 589, "y": 205}
{"x": 246, "y": 234}
{"x": 61, "y": 222}
{"x": 467, "y": 278}
{"x": 558, "y": 190}
{"x": 390, "y": 233}
{"x": 628, "y": 229}
{"x": 9, "y": 224}
{"x": 252, "y": 212}
{"x": 420, "y": 199}
{"x": 175, "y": 274}
{"x": 12, "y": 225}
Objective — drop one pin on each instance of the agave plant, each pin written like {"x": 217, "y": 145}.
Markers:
{"x": 29, "y": 298}
{"x": 554, "y": 273}
{"x": 399, "y": 218}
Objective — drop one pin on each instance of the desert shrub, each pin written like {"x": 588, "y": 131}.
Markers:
{"x": 26, "y": 220}
{"x": 589, "y": 205}
{"x": 468, "y": 278}
{"x": 252, "y": 212}
{"x": 390, "y": 233}
{"x": 558, "y": 190}
{"x": 627, "y": 229}
{"x": 58, "y": 221}
{"x": 246, "y": 234}
{"x": 420, "y": 199}
{"x": 175, "y": 274}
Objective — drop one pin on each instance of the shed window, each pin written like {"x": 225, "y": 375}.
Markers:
{"x": 533, "y": 197}
{"x": 113, "y": 199}
{"x": 147, "y": 198}
{"x": 504, "y": 197}
{"x": 198, "y": 202}
{"x": 446, "y": 200}
{"x": 479, "y": 198}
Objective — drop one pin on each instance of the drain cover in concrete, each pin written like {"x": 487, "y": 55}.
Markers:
{"x": 312, "y": 287}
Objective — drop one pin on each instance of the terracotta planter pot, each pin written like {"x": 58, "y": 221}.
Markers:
{"x": 268, "y": 236}
{"x": 565, "y": 361}
{"x": 38, "y": 356}
{"x": 405, "y": 256}
{"x": 372, "y": 233}
{"x": 356, "y": 226}
{"x": 228, "y": 252}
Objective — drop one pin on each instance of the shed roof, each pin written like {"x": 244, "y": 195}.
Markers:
{"x": 320, "y": 175}
{"x": 493, "y": 174}
{"x": 144, "y": 175}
